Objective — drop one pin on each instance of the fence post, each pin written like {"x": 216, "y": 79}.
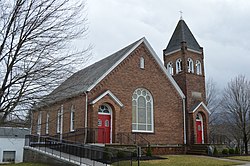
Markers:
{"x": 138, "y": 154}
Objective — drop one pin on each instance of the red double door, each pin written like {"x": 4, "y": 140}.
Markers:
{"x": 199, "y": 131}
{"x": 104, "y": 128}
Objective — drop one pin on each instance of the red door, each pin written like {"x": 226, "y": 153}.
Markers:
{"x": 103, "y": 128}
{"x": 199, "y": 132}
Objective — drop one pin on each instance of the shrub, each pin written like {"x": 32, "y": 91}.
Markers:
{"x": 149, "y": 151}
{"x": 231, "y": 151}
{"x": 225, "y": 151}
{"x": 120, "y": 154}
{"x": 237, "y": 150}
{"x": 216, "y": 152}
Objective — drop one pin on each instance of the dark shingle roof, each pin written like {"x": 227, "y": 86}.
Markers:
{"x": 182, "y": 34}
{"x": 80, "y": 81}
{"x": 13, "y": 132}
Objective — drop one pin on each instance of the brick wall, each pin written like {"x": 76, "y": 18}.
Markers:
{"x": 122, "y": 82}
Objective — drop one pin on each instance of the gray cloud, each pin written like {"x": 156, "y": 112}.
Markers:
{"x": 220, "y": 26}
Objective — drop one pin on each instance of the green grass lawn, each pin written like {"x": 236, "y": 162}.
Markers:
{"x": 182, "y": 160}
{"x": 172, "y": 160}
{"x": 242, "y": 158}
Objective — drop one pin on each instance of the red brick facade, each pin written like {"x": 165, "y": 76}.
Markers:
{"x": 177, "y": 100}
{"x": 122, "y": 82}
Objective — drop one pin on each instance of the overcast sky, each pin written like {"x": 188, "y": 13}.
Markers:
{"x": 221, "y": 27}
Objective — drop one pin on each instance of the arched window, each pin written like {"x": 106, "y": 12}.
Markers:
{"x": 39, "y": 123}
{"x": 103, "y": 109}
{"x": 142, "y": 111}
{"x": 142, "y": 63}
{"x": 190, "y": 65}
{"x": 170, "y": 68}
{"x": 198, "y": 67}
{"x": 178, "y": 66}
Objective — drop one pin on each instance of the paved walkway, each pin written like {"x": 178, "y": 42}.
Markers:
{"x": 241, "y": 163}
{"x": 66, "y": 157}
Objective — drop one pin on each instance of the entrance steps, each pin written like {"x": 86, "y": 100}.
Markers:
{"x": 198, "y": 149}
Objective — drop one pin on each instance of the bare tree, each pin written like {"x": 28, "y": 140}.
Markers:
{"x": 212, "y": 99}
{"x": 35, "y": 55}
{"x": 236, "y": 104}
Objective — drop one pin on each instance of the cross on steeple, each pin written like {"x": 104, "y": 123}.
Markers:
{"x": 180, "y": 14}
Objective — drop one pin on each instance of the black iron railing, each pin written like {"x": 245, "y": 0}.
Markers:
{"x": 76, "y": 151}
{"x": 132, "y": 138}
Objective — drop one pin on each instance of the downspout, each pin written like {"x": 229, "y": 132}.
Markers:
{"x": 86, "y": 117}
{"x": 184, "y": 121}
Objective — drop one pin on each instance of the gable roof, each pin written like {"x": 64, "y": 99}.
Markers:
{"x": 82, "y": 80}
{"x": 197, "y": 105}
{"x": 87, "y": 78}
{"x": 108, "y": 92}
{"x": 182, "y": 34}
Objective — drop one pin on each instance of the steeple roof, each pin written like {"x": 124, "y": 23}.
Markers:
{"x": 182, "y": 34}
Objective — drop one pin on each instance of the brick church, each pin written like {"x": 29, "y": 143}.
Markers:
{"x": 132, "y": 95}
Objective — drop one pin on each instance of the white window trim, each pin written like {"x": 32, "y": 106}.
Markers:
{"x": 60, "y": 118}
{"x": 152, "y": 115}
{"x": 190, "y": 65}
{"x": 39, "y": 123}
{"x": 142, "y": 63}
{"x": 198, "y": 67}
{"x": 72, "y": 121}
{"x": 170, "y": 68}
{"x": 178, "y": 65}
{"x": 47, "y": 124}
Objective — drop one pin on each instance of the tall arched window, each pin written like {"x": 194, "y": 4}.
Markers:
{"x": 190, "y": 65}
{"x": 198, "y": 67}
{"x": 178, "y": 66}
{"x": 142, "y": 111}
{"x": 39, "y": 123}
{"x": 170, "y": 68}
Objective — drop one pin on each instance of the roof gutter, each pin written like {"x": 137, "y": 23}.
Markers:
{"x": 184, "y": 121}
{"x": 86, "y": 117}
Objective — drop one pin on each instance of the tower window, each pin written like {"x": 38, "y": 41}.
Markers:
{"x": 142, "y": 63}
{"x": 198, "y": 67}
{"x": 178, "y": 66}
{"x": 170, "y": 68}
{"x": 190, "y": 66}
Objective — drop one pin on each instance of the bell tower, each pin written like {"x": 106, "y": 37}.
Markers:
{"x": 183, "y": 58}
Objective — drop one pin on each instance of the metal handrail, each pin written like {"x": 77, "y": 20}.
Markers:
{"x": 69, "y": 149}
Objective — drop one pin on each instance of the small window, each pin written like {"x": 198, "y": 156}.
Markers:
{"x": 190, "y": 65}
{"x": 9, "y": 156}
{"x": 47, "y": 124}
{"x": 178, "y": 66}
{"x": 72, "y": 118}
{"x": 170, "y": 68}
{"x": 198, "y": 67}
{"x": 99, "y": 122}
{"x": 142, "y": 63}
{"x": 106, "y": 123}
